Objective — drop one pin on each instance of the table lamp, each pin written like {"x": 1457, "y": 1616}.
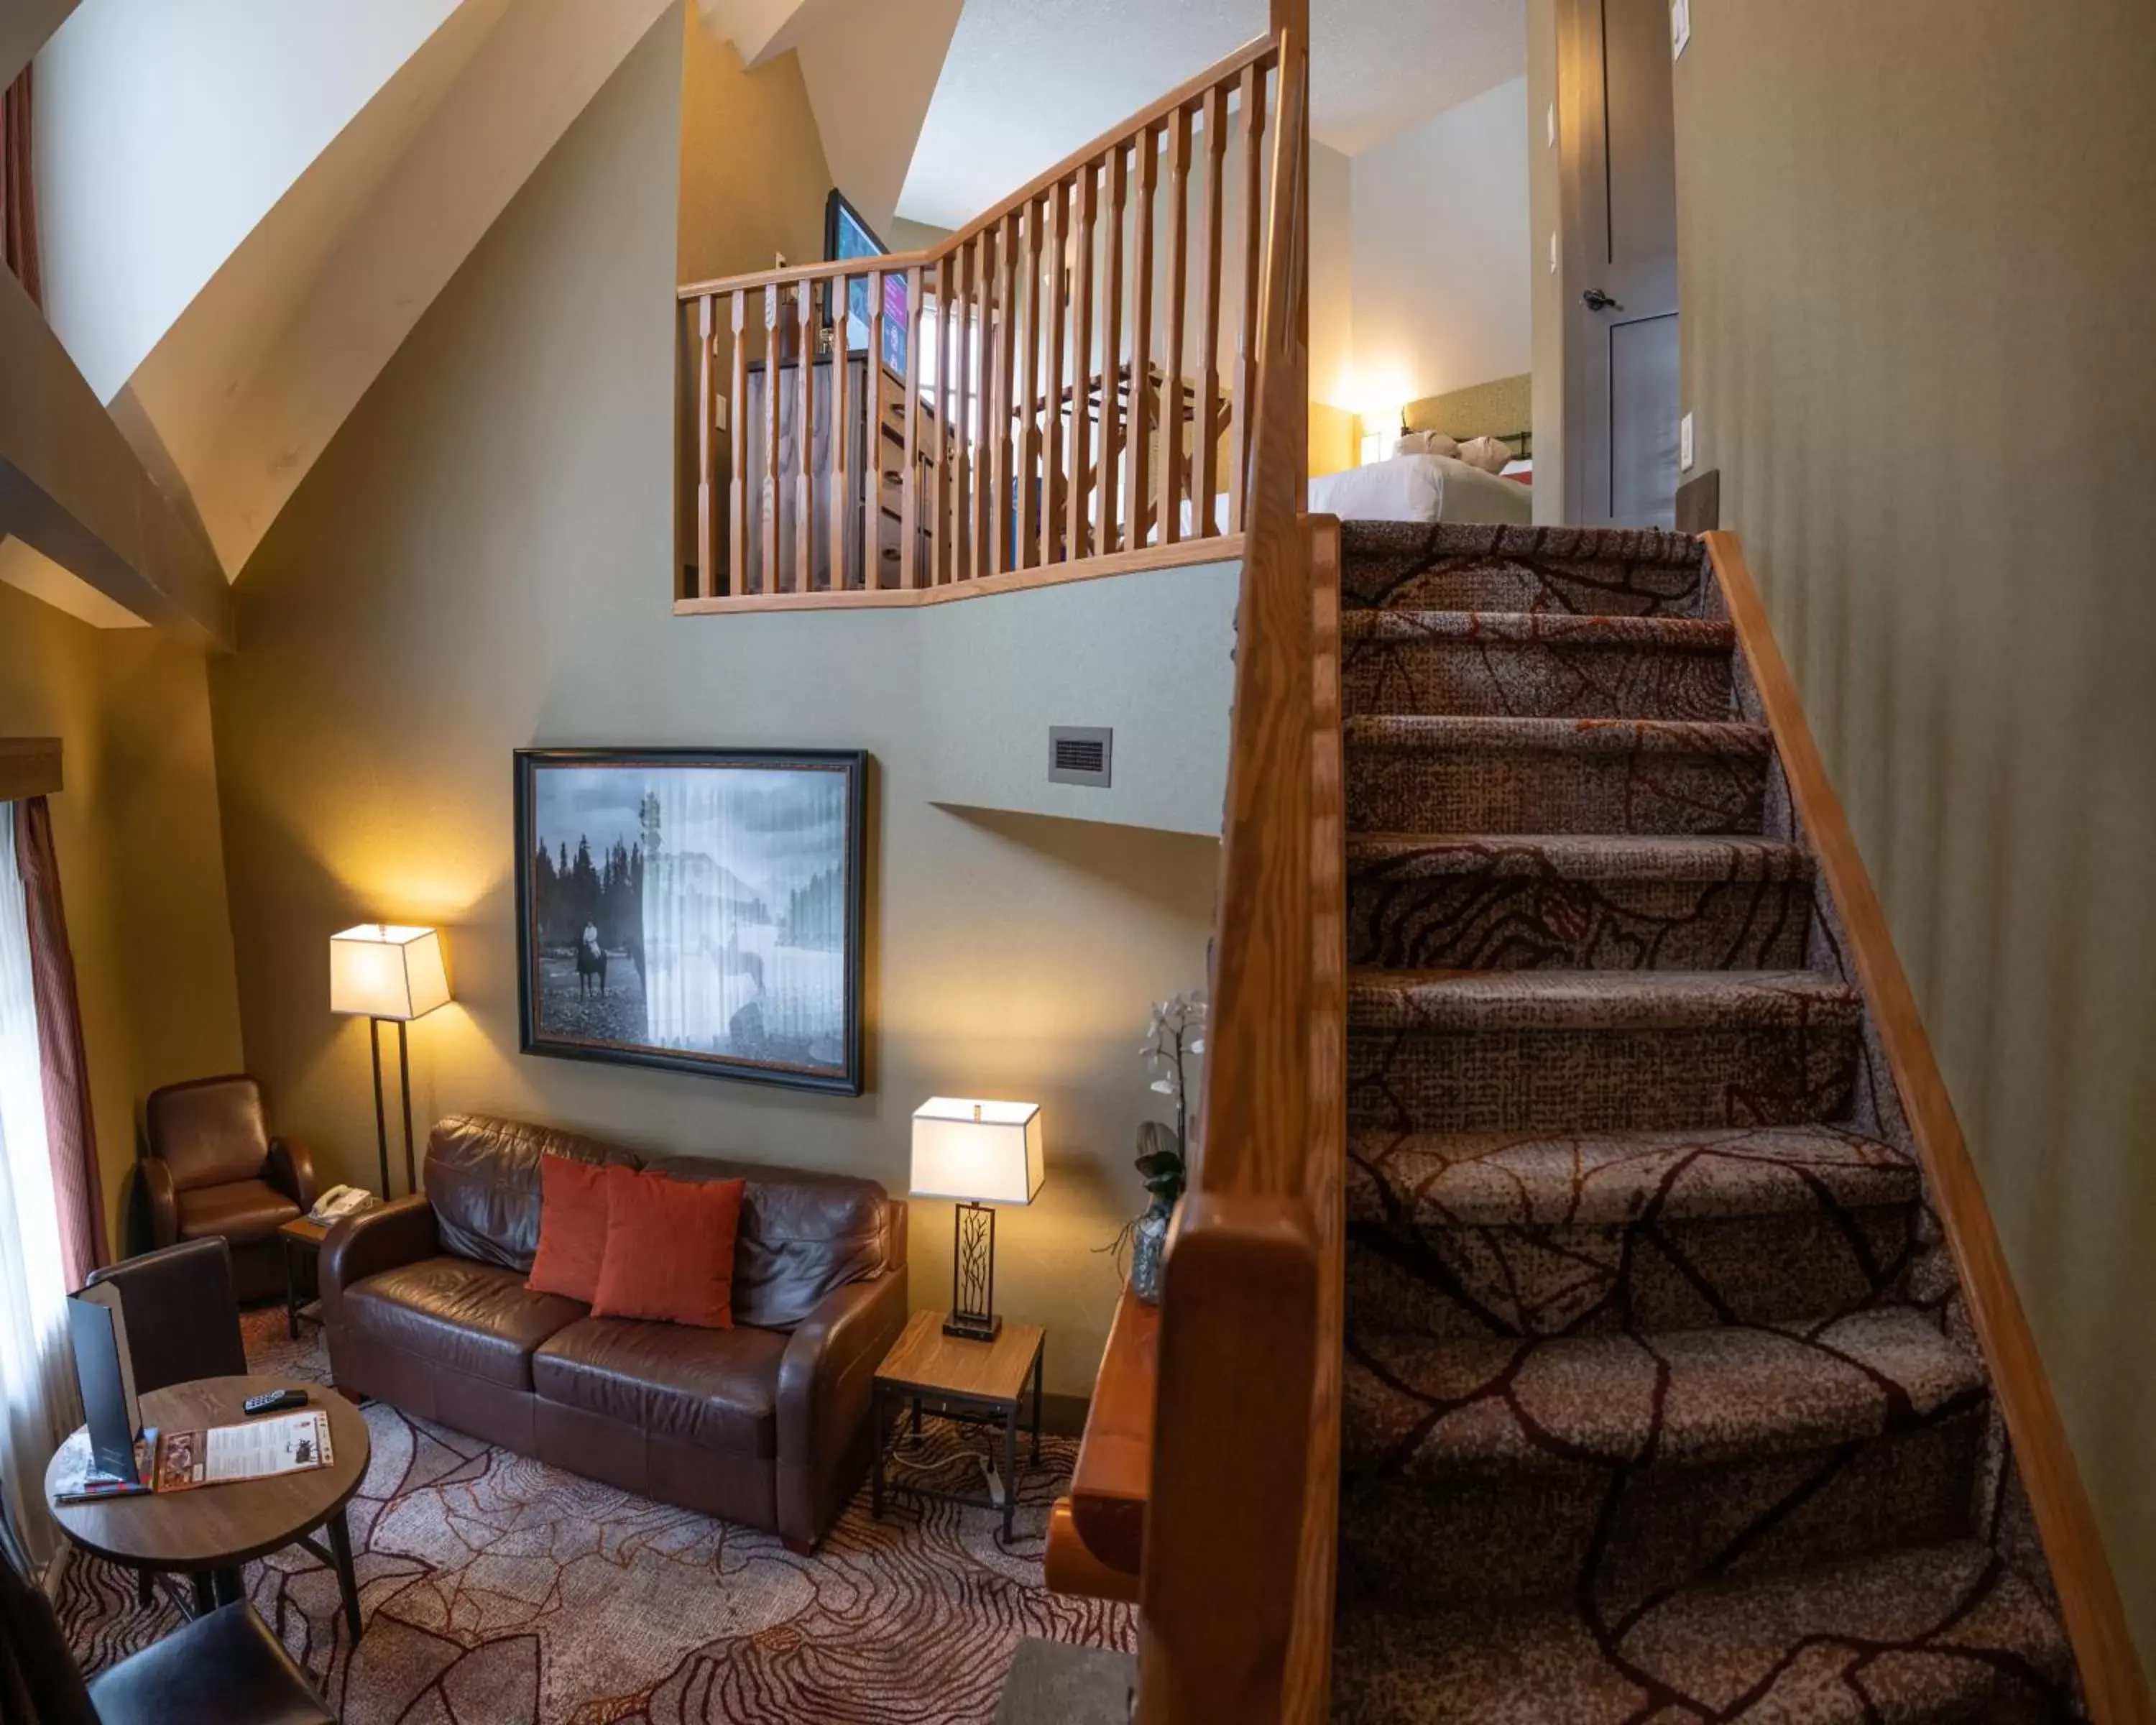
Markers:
{"x": 381, "y": 972}
{"x": 982, "y": 1154}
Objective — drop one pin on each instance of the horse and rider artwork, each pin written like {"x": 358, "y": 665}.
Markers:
{"x": 696, "y": 908}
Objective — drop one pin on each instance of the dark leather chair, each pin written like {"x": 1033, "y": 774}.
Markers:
{"x": 223, "y": 1669}
{"x": 182, "y": 1320}
{"x": 424, "y": 1305}
{"x": 212, "y": 1170}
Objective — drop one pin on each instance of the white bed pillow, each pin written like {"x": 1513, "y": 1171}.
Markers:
{"x": 1425, "y": 443}
{"x": 1489, "y": 454}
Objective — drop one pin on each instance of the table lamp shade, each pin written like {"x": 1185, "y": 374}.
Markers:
{"x": 978, "y": 1153}
{"x": 381, "y": 971}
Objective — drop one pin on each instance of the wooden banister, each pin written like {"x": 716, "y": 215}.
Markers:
{"x": 2114, "y": 1683}
{"x": 1009, "y": 417}
{"x": 1237, "y": 1587}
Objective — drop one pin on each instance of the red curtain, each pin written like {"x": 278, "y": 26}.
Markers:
{"x": 18, "y": 200}
{"x": 77, "y": 1189}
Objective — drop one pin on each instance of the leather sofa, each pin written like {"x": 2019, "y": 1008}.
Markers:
{"x": 210, "y": 1170}
{"x": 424, "y": 1306}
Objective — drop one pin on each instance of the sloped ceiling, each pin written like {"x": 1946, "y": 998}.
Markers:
{"x": 1029, "y": 81}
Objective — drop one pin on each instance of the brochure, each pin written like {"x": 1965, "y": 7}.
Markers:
{"x": 260, "y": 1450}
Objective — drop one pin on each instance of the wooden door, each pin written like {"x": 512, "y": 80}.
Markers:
{"x": 1622, "y": 264}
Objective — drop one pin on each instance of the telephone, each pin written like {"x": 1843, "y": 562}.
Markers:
{"x": 340, "y": 1202}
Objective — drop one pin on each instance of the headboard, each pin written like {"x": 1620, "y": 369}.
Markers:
{"x": 1503, "y": 409}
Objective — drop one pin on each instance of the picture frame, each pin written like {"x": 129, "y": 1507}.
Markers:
{"x": 697, "y": 910}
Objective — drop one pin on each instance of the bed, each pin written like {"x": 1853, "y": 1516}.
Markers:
{"x": 1439, "y": 488}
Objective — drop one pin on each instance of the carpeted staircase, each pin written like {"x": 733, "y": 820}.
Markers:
{"x": 1660, "y": 1403}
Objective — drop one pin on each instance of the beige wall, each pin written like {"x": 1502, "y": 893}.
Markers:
{"x": 1916, "y": 246}
{"x": 141, "y": 867}
{"x": 479, "y": 562}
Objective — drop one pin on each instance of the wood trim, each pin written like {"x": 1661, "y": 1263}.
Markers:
{"x": 1069, "y": 1566}
{"x": 1222, "y": 548}
{"x": 810, "y": 272}
{"x": 2116, "y": 1688}
{"x": 1114, "y": 1472}
{"x": 30, "y": 767}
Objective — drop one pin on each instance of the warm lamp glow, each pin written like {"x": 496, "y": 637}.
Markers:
{"x": 381, "y": 971}
{"x": 980, "y": 1152}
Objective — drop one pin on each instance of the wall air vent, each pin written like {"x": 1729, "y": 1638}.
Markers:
{"x": 1079, "y": 754}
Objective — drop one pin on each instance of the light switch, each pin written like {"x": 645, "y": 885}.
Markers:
{"x": 1679, "y": 26}
{"x": 1684, "y": 449}
{"x": 1552, "y": 252}
{"x": 1549, "y": 124}
{"x": 719, "y": 413}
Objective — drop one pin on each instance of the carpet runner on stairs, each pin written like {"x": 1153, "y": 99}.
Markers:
{"x": 1660, "y": 1404}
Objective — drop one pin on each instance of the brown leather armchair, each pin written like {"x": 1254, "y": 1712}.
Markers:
{"x": 211, "y": 1170}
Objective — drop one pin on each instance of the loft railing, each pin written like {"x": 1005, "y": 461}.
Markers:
{"x": 1061, "y": 388}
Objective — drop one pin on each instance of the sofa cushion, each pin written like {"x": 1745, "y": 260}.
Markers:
{"x": 715, "y": 1388}
{"x": 572, "y": 1228}
{"x": 239, "y": 1210}
{"x": 212, "y": 1132}
{"x": 803, "y": 1235}
{"x": 669, "y": 1250}
{"x": 483, "y": 1180}
{"x": 474, "y": 1318}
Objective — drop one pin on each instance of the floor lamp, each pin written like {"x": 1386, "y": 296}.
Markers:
{"x": 381, "y": 973}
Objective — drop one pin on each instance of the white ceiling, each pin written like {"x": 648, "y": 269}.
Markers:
{"x": 1028, "y": 81}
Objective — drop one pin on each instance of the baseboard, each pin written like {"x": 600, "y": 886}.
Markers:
{"x": 1699, "y": 502}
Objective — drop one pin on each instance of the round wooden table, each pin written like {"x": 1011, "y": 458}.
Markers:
{"x": 207, "y": 1533}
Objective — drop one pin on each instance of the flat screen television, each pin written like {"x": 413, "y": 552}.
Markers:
{"x": 846, "y": 235}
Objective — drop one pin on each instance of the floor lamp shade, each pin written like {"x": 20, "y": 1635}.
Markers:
{"x": 380, "y": 971}
{"x": 980, "y": 1153}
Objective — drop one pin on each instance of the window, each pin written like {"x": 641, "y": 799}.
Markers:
{"x": 37, "y": 1383}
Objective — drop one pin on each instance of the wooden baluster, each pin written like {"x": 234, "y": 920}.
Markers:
{"x": 706, "y": 582}
{"x": 1059, "y": 306}
{"x": 1031, "y": 342}
{"x": 957, "y": 312}
{"x": 1137, "y": 455}
{"x": 872, "y": 458}
{"x": 1179, "y": 267}
{"x": 1077, "y": 528}
{"x": 842, "y": 439}
{"x": 1204, "y": 521}
{"x": 771, "y": 582}
{"x": 1246, "y": 341}
{"x": 981, "y": 367}
{"x": 738, "y": 437}
{"x": 804, "y": 445}
{"x": 1001, "y": 397}
{"x": 939, "y": 509}
{"x": 909, "y": 400}
{"x": 1112, "y": 351}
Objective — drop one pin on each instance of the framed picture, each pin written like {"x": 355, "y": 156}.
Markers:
{"x": 694, "y": 909}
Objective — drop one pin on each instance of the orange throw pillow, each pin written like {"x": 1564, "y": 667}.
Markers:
{"x": 670, "y": 1249}
{"x": 572, "y": 1228}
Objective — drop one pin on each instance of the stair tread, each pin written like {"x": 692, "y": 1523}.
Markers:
{"x": 1905, "y": 1638}
{"x": 1440, "y": 1409}
{"x": 1548, "y": 628}
{"x": 1577, "y": 856}
{"x": 1459, "y": 733}
{"x": 1430, "y": 1180}
{"x": 1476, "y": 1000}
{"x": 1628, "y": 545}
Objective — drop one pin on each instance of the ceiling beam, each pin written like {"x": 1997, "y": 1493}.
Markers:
{"x": 72, "y": 489}
{"x": 25, "y": 27}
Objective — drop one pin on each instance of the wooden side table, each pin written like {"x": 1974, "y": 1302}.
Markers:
{"x": 302, "y": 1241}
{"x": 975, "y": 1383}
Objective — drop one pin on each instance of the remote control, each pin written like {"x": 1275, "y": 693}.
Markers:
{"x": 275, "y": 1402}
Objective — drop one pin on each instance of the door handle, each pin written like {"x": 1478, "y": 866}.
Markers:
{"x": 1594, "y": 300}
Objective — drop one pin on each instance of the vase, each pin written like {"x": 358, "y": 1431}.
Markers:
{"x": 1148, "y": 1247}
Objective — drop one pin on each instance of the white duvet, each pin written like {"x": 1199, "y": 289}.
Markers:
{"x": 1421, "y": 488}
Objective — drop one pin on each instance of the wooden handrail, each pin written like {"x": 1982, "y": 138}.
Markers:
{"x": 1236, "y": 1590}
{"x": 989, "y": 407}
{"x": 2116, "y": 1689}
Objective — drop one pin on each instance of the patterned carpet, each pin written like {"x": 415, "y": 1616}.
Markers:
{"x": 497, "y": 1591}
{"x": 1660, "y": 1403}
